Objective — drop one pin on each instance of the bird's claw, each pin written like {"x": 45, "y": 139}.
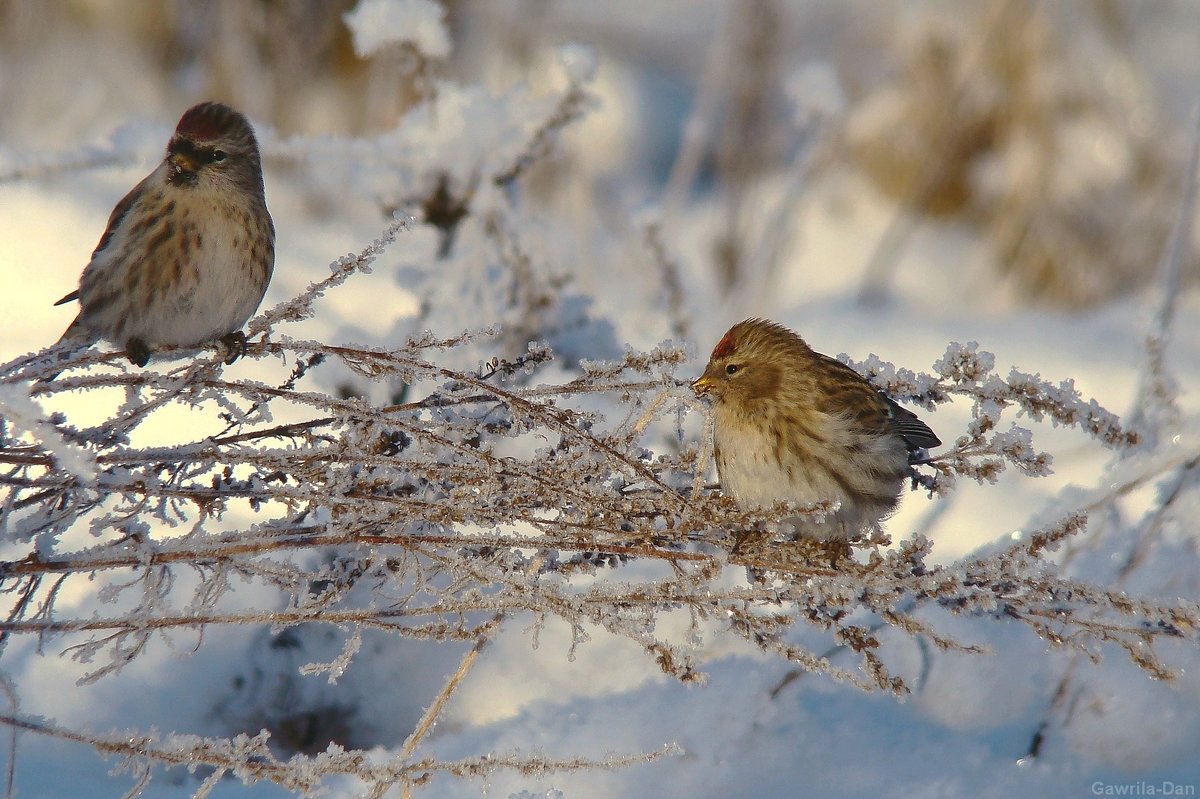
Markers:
{"x": 138, "y": 352}
{"x": 235, "y": 346}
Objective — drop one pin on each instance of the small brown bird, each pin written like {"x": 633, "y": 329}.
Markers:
{"x": 188, "y": 253}
{"x": 794, "y": 425}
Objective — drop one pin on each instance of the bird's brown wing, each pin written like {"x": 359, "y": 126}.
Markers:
{"x": 119, "y": 212}
{"x": 845, "y": 393}
{"x": 848, "y": 393}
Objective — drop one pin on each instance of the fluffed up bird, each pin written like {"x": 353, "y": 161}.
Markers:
{"x": 794, "y": 425}
{"x": 188, "y": 253}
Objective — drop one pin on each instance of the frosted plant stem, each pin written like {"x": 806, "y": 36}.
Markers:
{"x": 697, "y": 127}
{"x": 1155, "y": 396}
{"x": 672, "y": 283}
{"x": 707, "y": 445}
{"x": 1171, "y": 268}
{"x": 144, "y": 775}
{"x": 435, "y": 709}
{"x": 11, "y": 771}
{"x": 765, "y": 259}
{"x": 651, "y": 412}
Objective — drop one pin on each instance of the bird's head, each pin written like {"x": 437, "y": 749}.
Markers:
{"x": 751, "y": 362}
{"x": 214, "y": 146}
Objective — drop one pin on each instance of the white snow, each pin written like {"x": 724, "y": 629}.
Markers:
{"x": 421, "y": 23}
{"x": 28, "y": 421}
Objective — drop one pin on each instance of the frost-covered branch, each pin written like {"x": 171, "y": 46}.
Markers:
{"x": 442, "y": 494}
{"x": 485, "y": 496}
{"x": 250, "y": 759}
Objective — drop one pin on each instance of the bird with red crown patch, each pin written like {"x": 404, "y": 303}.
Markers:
{"x": 188, "y": 253}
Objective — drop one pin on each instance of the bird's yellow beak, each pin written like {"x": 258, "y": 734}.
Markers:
{"x": 183, "y": 162}
{"x": 702, "y": 384}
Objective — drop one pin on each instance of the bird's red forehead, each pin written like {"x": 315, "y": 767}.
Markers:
{"x": 203, "y": 122}
{"x": 725, "y": 346}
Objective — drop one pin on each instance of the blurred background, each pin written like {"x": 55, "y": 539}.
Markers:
{"x": 1053, "y": 131}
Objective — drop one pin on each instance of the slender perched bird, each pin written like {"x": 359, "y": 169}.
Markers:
{"x": 794, "y": 425}
{"x": 188, "y": 253}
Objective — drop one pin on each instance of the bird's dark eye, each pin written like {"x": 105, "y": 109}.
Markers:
{"x": 731, "y": 368}
{"x": 218, "y": 156}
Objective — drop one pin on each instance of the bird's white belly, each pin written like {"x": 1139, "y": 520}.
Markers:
{"x": 218, "y": 301}
{"x": 750, "y": 472}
